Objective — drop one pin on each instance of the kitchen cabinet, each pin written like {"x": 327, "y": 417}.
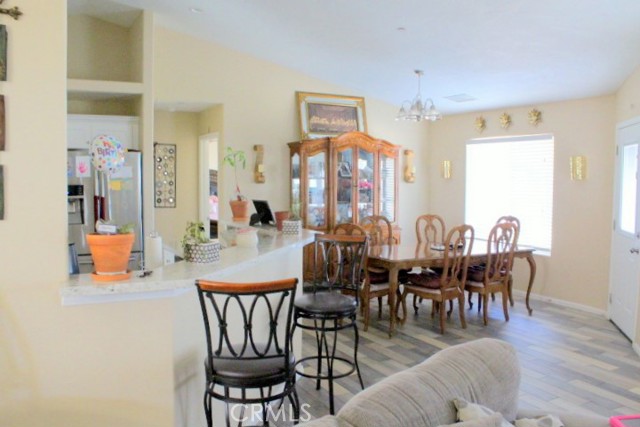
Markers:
{"x": 82, "y": 128}
{"x": 343, "y": 179}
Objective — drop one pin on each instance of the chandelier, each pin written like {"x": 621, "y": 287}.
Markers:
{"x": 416, "y": 110}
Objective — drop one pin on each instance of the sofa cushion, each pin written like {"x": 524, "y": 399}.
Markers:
{"x": 485, "y": 371}
{"x": 494, "y": 420}
{"x": 544, "y": 421}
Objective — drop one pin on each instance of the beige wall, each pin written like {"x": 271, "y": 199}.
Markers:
{"x": 180, "y": 129}
{"x": 582, "y": 209}
{"x": 259, "y": 108}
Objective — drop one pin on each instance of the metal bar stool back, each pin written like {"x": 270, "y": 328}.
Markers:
{"x": 247, "y": 327}
{"x": 331, "y": 305}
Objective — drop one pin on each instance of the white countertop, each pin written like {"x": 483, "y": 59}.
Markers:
{"x": 175, "y": 279}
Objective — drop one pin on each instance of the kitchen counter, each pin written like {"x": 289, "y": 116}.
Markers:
{"x": 175, "y": 279}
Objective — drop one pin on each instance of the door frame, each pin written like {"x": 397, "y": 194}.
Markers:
{"x": 203, "y": 177}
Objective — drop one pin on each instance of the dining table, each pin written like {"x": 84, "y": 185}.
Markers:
{"x": 402, "y": 257}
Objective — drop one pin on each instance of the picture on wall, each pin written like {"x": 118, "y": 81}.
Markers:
{"x": 324, "y": 115}
{"x": 3, "y": 52}
{"x": 165, "y": 175}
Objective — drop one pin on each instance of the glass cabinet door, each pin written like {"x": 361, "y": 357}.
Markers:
{"x": 344, "y": 187}
{"x": 316, "y": 208}
{"x": 296, "y": 201}
{"x": 366, "y": 181}
{"x": 387, "y": 187}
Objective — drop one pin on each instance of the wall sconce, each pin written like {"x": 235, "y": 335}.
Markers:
{"x": 446, "y": 169}
{"x": 409, "y": 169}
{"x": 578, "y": 167}
{"x": 258, "y": 171}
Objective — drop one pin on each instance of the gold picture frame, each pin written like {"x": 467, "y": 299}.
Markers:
{"x": 323, "y": 115}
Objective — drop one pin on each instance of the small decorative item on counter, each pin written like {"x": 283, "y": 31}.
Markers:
{"x": 281, "y": 216}
{"x": 239, "y": 205}
{"x": 196, "y": 245}
{"x": 247, "y": 237}
{"x": 291, "y": 227}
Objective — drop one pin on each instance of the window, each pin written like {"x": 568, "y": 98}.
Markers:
{"x": 511, "y": 176}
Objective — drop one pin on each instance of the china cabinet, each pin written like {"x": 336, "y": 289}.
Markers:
{"x": 343, "y": 179}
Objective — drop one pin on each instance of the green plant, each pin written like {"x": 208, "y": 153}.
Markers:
{"x": 194, "y": 234}
{"x": 126, "y": 229}
{"x": 236, "y": 159}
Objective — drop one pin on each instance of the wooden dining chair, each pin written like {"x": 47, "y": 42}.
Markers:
{"x": 448, "y": 285}
{"x": 376, "y": 283}
{"x": 430, "y": 228}
{"x": 494, "y": 277}
{"x": 502, "y": 219}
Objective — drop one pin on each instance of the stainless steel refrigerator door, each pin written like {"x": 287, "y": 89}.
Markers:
{"x": 79, "y": 172}
{"x": 124, "y": 197}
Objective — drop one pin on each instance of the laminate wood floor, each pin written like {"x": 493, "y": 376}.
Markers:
{"x": 570, "y": 359}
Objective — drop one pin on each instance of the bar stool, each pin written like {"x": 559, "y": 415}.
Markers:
{"x": 248, "y": 328}
{"x": 332, "y": 305}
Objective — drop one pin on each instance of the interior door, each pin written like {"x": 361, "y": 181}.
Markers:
{"x": 625, "y": 247}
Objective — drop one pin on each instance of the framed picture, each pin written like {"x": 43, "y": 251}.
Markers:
{"x": 324, "y": 115}
{"x": 165, "y": 175}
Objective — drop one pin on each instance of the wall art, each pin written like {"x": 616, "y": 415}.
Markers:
{"x": 164, "y": 158}
{"x": 324, "y": 115}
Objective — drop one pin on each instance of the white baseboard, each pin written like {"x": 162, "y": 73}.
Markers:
{"x": 563, "y": 303}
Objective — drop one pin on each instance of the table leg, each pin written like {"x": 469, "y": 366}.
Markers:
{"x": 393, "y": 301}
{"x": 532, "y": 276}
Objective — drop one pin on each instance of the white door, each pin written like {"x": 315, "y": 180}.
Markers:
{"x": 625, "y": 246}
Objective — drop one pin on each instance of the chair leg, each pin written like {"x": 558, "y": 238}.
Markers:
{"x": 379, "y": 308}
{"x": 511, "y": 290}
{"x": 480, "y": 300}
{"x": 320, "y": 337}
{"x": 470, "y": 300}
{"x": 442, "y": 312}
{"x": 415, "y": 303}
{"x": 450, "y": 309}
{"x": 367, "y": 313}
{"x": 330, "y": 359}
{"x": 207, "y": 408}
{"x": 505, "y": 304}
{"x": 463, "y": 321}
{"x": 295, "y": 403}
{"x": 355, "y": 352}
{"x": 485, "y": 311}
{"x": 402, "y": 300}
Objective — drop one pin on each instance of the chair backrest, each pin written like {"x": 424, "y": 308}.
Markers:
{"x": 457, "y": 251}
{"x": 247, "y": 321}
{"x": 430, "y": 228}
{"x": 349, "y": 229}
{"x": 379, "y": 229}
{"x": 510, "y": 218}
{"x": 501, "y": 244}
{"x": 340, "y": 261}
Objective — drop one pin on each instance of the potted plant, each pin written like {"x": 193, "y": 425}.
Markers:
{"x": 239, "y": 204}
{"x": 293, "y": 225}
{"x": 196, "y": 245}
{"x": 110, "y": 250}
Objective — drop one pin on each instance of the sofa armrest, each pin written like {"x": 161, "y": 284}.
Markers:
{"x": 567, "y": 418}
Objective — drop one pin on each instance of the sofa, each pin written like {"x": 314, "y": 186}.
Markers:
{"x": 485, "y": 371}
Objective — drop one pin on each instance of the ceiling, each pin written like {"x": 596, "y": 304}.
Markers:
{"x": 499, "y": 53}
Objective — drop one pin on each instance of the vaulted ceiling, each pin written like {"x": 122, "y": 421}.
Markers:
{"x": 476, "y": 54}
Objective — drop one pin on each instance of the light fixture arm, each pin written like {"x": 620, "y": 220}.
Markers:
{"x": 417, "y": 110}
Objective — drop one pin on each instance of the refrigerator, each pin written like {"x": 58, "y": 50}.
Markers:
{"x": 116, "y": 198}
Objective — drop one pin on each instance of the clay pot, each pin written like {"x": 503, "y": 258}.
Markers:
{"x": 281, "y": 216}
{"x": 240, "y": 210}
{"x": 110, "y": 255}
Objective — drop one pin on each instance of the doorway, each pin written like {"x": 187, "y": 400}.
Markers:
{"x": 625, "y": 244}
{"x": 208, "y": 206}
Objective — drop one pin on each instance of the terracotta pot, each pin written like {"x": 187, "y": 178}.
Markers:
{"x": 110, "y": 255}
{"x": 240, "y": 210}
{"x": 281, "y": 216}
